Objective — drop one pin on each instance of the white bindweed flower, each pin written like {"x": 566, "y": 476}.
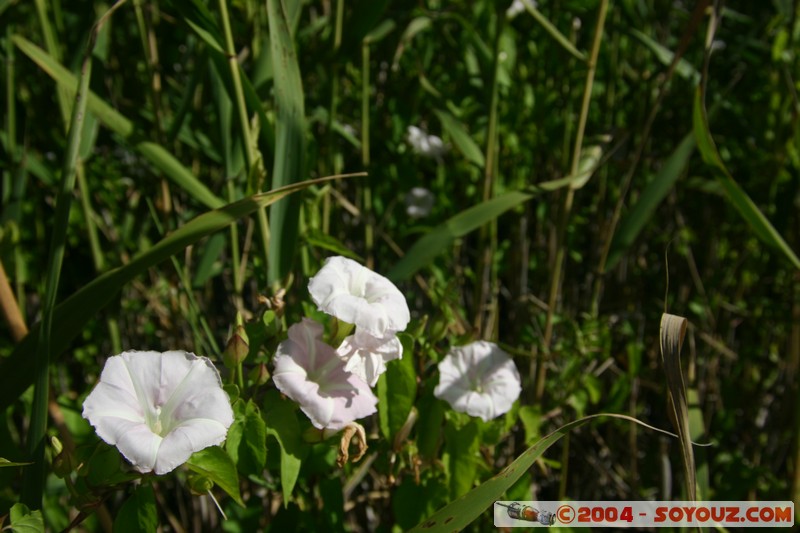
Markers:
{"x": 357, "y": 295}
{"x": 159, "y": 408}
{"x": 311, "y": 373}
{"x": 516, "y": 7}
{"x": 419, "y": 202}
{"x": 423, "y": 143}
{"x": 479, "y": 379}
{"x": 367, "y": 356}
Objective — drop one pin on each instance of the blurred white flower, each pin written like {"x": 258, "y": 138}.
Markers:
{"x": 517, "y": 7}
{"x": 419, "y": 202}
{"x": 159, "y": 408}
{"x": 311, "y": 373}
{"x": 479, "y": 379}
{"x": 367, "y": 356}
{"x": 423, "y": 143}
{"x": 357, "y": 295}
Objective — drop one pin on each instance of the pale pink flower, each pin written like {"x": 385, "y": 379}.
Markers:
{"x": 159, "y": 408}
{"x": 311, "y": 373}
{"x": 479, "y": 379}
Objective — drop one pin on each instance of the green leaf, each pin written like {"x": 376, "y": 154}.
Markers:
{"x": 382, "y": 30}
{"x": 762, "y": 227}
{"x": 649, "y": 199}
{"x": 156, "y": 154}
{"x": 16, "y": 371}
{"x": 138, "y": 513}
{"x": 397, "y": 390}
{"x": 207, "y": 266}
{"x": 441, "y": 238}
{"x": 330, "y": 243}
{"x": 461, "y": 138}
{"x": 281, "y": 421}
{"x": 23, "y": 520}
{"x": 531, "y": 418}
{"x": 105, "y": 467}
{"x": 550, "y": 28}
{"x": 247, "y": 439}
{"x": 458, "y": 514}
{"x": 200, "y": 19}
{"x": 414, "y": 27}
{"x": 429, "y": 426}
{"x": 462, "y": 446}
{"x": 665, "y": 56}
{"x": 290, "y": 145}
{"x": 217, "y": 466}
{"x": 589, "y": 161}
{"x": 6, "y": 462}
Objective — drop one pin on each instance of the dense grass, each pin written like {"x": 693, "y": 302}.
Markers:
{"x": 576, "y": 201}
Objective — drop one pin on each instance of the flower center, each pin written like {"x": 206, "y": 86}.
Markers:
{"x": 157, "y": 425}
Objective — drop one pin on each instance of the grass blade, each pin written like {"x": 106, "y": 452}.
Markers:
{"x": 441, "y": 238}
{"x": 553, "y": 31}
{"x": 740, "y": 200}
{"x": 649, "y": 200}
{"x": 461, "y": 512}
{"x": 461, "y": 138}
{"x": 673, "y": 329}
{"x": 112, "y": 119}
{"x": 666, "y": 57}
{"x": 290, "y": 148}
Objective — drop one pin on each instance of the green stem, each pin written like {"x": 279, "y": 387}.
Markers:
{"x": 334, "y": 160}
{"x": 14, "y": 177}
{"x": 251, "y": 156}
{"x": 11, "y": 108}
{"x": 368, "y": 231}
{"x": 566, "y": 208}
{"x": 487, "y": 277}
{"x": 238, "y": 279}
{"x": 240, "y": 376}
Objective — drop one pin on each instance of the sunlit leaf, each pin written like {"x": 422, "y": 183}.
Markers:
{"x": 23, "y": 520}
{"x": 217, "y": 466}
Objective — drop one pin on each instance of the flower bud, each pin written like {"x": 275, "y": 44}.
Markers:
{"x": 237, "y": 349}
{"x": 259, "y": 374}
{"x": 62, "y": 462}
{"x": 199, "y": 484}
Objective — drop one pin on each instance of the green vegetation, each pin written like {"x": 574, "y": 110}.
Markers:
{"x": 601, "y": 163}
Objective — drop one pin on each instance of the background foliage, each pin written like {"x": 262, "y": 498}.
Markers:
{"x": 569, "y": 276}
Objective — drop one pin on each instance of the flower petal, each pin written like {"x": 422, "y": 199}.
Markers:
{"x": 198, "y": 394}
{"x": 187, "y": 438}
{"x": 134, "y": 440}
{"x": 367, "y": 356}
{"x": 479, "y": 379}
{"x": 310, "y": 372}
{"x": 357, "y": 295}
